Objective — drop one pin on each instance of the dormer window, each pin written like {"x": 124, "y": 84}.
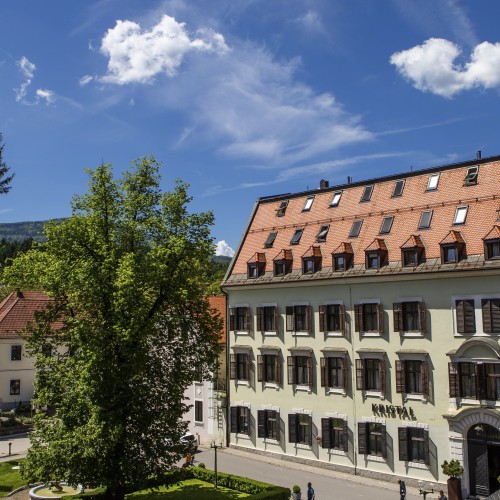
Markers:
{"x": 270, "y": 240}
{"x": 376, "y": 254}
{"x": 356, "y": 228}
{"x": 492, "y": 244}
{"x": 308, "y": 265}
{"x": 280, "y": 211}
{"x": 452, "y": 248}
{"x": 308, "y": 204}
{"x": 279, "y": 268}
{"x": 471, "y": 176}
{"x": 367, "y": 194}
{"x": 385, "y": 228}
{"x": 449, "y": 253}
{"x": 398, "y": 189}
{"x": 296, "y": 237}
{"x": 282, "y": 263}
{"x": 321, "y": 237}
{"x": 373, "y": 260}
{"x": 425, "y": 219}
{"x": 412, "y": 251}
{"x": 432, "y": 183}
{"x": 409, "y": 257}
{"x": 342, "y": 257}
{"x": 460, "y": 215}
{"x": 336, "y": 199}
{"x": 256, "y": 266}
{"x": 311, "y": 260}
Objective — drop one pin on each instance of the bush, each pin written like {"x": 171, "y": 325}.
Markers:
{"x": 453, "y": 468}
{"x": 202, "y": 465}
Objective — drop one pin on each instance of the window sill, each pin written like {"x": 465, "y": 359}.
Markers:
{"x": 302, "y": 446}
{"x": 371, "y": 334}
{"x": 271, "y": 385}
{"x": 336, "y": 390}
{"x": 239, "y": 435}
{"x": 300, "y": 334}
{"x": 336, "y": 451}
{"x": 238, "y": 332}
{"x": 303, "y": 388}
{"x": 271, "y": 440}
{"x": 417, "y": 465}
{"x": 334, "y": 334}
{"x": 244, "y": 383}
{"x": 199, "y": 424}
{"x": 413, "y": 335}
{"x": 375, "y": 458}
{"x": 415, "y": 397}
{"x": 489, "y": 403}
{"x": 374, "y": 394}
{"x": 270, "y": 334}
{"x": 476, "y": 334}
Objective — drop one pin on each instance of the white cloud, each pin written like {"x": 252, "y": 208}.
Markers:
{"x": 27, "y": 69}
{"x": 431, "y": 67}
{"x": 136, "y": 57}
{"x": 224, "y": 249}
{"x": 84, "y": 80}
{"x": 45, "y": 95}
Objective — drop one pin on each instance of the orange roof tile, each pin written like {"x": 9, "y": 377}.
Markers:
{"x": 218, "y": 302}
{"x": 494, "y": 233}
{"x": 413, "y": 241}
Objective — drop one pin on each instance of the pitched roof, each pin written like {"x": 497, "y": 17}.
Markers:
{"x": 218, "y": 302}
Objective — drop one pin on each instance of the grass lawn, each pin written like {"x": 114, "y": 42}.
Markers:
{"x": 10, "y": 479}
{"x": 190, "y": 489}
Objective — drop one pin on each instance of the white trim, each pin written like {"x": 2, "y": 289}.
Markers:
{"x": 268, "y": 304}
{"x": 302, "y": 410}
{"x": 408, "y": 299}
{"x": 234, "y": 306}
{"x": 368, "y": 301}
{"x": 302, "y": 303}
{"x": 341, "y": 416}
{"x": 333, "y": 302}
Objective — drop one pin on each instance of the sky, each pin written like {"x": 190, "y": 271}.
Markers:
{"x": 241, "y": 98}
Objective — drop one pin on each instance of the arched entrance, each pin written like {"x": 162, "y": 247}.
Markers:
{"x": 483, "y": 444}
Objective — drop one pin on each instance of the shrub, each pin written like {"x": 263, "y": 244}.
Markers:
{"x": 453, "y": 468}
{"x": 202, "y": 465}
{"x": 296, "y": 488}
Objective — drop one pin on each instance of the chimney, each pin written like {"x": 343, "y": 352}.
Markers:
{"x": 19, "y": 294}
{"x": 349, "y": 179}
{"x": 478, "y": 155}
{"x": 323, "y": 184}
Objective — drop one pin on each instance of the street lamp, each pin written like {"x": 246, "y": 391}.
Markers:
{"x": 425, "y": 491}
{"x": 215, "y": 446}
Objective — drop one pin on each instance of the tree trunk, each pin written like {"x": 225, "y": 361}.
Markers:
{"x": 454, "y": 488}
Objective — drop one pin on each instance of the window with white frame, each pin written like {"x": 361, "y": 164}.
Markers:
{"x": 298, "y": 318}
{"x": 432, "y": 183}
{"x": 240, "y": 420}
{"x": 414, "y": 444}
{"x": 15, "y": 352}
{"x": 308, "y": 204}
{"x": 267, "y": 318}
{"x": 372, "y": 439}
{"x": 300, "y": 428}
{"x": 460, "y": 215}
{"x": 335, "y": 434}
{"x": 268, "y": 424}
{"x": 239, "y": 319}
{"x": 336, "y": 199}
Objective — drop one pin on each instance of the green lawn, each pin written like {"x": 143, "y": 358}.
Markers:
{"x": 10, "y": 479}
{"x": 190, "y": 489}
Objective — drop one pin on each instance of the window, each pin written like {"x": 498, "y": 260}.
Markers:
{"x": 300, "y": 428}
{"x": 370, "y": 374}
{"x": 269, "y": 368}
{"x": 239, "y": 319}
{"x": 385, "y": 228}
{"x": 198, "y": 411}
{"x": 279, "y": 268}
{"x": 492, "y": 249}
{"x": 466, "y": 316}
{"x": 280, "y": 211}
{"x": 356, "y": 228}
{"x": 372, "y": 260}
{"x": 308, "y": 204}
{"x": 409, "y": 316}
{"x": 307, "y": 265}
{"x": 432, "y": 183}
{"x": 367, "y": 194}
{"x": 413, "y": 444}
{"x": 240, "y": 366}
{"x": 253, "y": 270}
{"x": 410, "y": 257}
{"x": 334, "y": 372}
{"x": 336, "y": 199}
{"x": 332, "y": 318}
{"x": 471, "y": 176}
{"x": 335, "y": 434}
{"x": 15, "y": 387}
{"x": 268, "y": 424}
{"x": 15, "y": 352}
{"x": 491, "y": 315}
{"x": 321, "y": 237}
{"x": 372, "y": 439}
{"x": 270, "y": 240}
{"x": 300, "y": 370}
{"x": 296, "y": 237}
{"x": 398, "y": 188}
{"x": 474, "y": 380}
{"x": 298, "y": 318}
{"x": 369, "y": 317}
{"x": 240, "y": 420}
{"x": 267, "y": 319}
{"x": 460, "y": 215}
{"x": 412, "y": 377}
{"x": 339, "y": 262}
{"x": 449, "y": 253}
{"x": 425, "y": 219}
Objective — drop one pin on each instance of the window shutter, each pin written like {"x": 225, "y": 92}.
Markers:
{"x": 322, "y": 362}
{"x": 453, "y": 380}
{"x": 424, "y": 374}
{"x": 358, "y": 317}
{"x": 486, "y": 310}
{"x": 362, "y": 437}
{"x": 400, "y": 376}
{"x": 383, "y": 433}
{"x": 422, "y": 317}
{"x": 277, "y": 415}
{"x": 403, "y": 444}
{"x": 291, "y": 370}
{"x": 322, "y": 319}
{"x": 360, "y": 374}
{"x": 397, "y": 309}
{"x": 247, "y": 367}
{"x": 248, "y": 320}
{"x": 343, "y": 365}
{"x": 308, "y": 318}
{"x": 232, "y": 319}
{"x": 325, "y": 433}
{"x": 232, "y": 371}
{"x": 342, "y": 318}
{"x": 466, "y": 321}
{"x": 234, "y": 419}
{"x": 480, "y": 381}
{"x": 459, "y": 306}
{"x": 260, "y": 319}
{"x": 290, "y": 319}
{"x": 495, "y": 315}
{"x": 276, "y": 320}
{"x": 380, "y": 318}
{"x": 381, "y": 368}
{"x": 261, "y": 423}
{"x": 310, "y": 431}
{"x": 345, "y": 440}
{"x": 277, "y": 369}
{"x": 427, "y": 458}
{"x": 310, "y": 372}
{"x": 260, "y": 368}
{"x": 292, "y": 427}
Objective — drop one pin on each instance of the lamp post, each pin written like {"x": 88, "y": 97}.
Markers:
{"x": 425, "y": 491}
{"x": 215, "y": 446}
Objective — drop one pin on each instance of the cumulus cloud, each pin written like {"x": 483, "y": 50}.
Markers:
{"x": 224, "y": 249}
{"x": 431, "y": 67}
{"x": 137, "y": 57}
{"x": 27, "y": 69}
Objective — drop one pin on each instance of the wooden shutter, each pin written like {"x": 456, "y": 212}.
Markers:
{"x": 480, "y": 381}
{"x": 232, "y": 319}
{"x": 290, "y": 360}
{"x": 277, "y": 369}
{"x": 248, "y": 319}
{"x": 400, "y": 376}
{"x": 360, "y": 374}
{"x": 322, "y": 318}
{"x": 397, "y": 311}
{"x": 427, "y": 458}
{"x": 308, "y": 318}
{"x": 342, "y": 318}
{"x": 260, "y": 319}
{"x": 234, "y": 419}
{"x": 424, "y": 374}
{"x": 325, "y": 433}
{"x": 277, "y": 415}
{"x": 362, "y": 437}
{"x": 232, "y": 371}
{"x": 384, "y": 440}
{"x": 309, "y": 434}
{"x": 403, "y": 444}
{"x": 310, "y": 372}
{"x": 290, "y": 319}
{"x": 381, "y": 368}
{"x": 466, "y": 321}
{"x": 380, "y": 318}
{"x": 276, "y": 320}
{"x": 247, "y": 366}
{"x": 422, "y": 317}
{"x": 260, "y": 368}
{"x": 343, "y": 365}
{"x": 358, "y": 317}
{"x": 292, "y": 427}
{"x": 345, "y": 440}
{"x": 323, "y": 371}
{"x": 491, "y": 315}
{"x": 261, "y": 423}
{"x": 453, "y": 380}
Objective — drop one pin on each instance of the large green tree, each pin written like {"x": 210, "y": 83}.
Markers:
{"x": 129, "y": 328}
{"x": 5, "y": 179}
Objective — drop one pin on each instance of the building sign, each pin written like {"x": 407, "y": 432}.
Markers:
{"x": 392, "y": 411}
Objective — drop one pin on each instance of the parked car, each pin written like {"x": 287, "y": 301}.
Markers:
{"x": 190, "y": 441}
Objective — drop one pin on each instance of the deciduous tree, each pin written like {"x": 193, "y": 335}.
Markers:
{"x": 4, "y": 170}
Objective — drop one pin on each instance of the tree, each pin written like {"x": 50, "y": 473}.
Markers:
{"x": 128, "y": 329}
{"x": 4, "y": 170}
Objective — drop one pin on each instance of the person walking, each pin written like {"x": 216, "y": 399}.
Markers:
{"x": 442, "y": 496}
{"x": 402, "y": 489}
{"x": 310, "y": 492}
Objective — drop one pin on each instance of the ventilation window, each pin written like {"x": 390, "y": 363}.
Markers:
{"x": 432, "y": 183}
{"x": 296, "y": 237}
{"x": 471, "y": 177}
{"x": 308, "y": 204}
{"x": 398, "y": 188}
{"x": 336, "y": 199}
{"x": 460, "y": 215}
{"x": 367, "y": 194}
{"x": 425, "y": 219}
{"x": 280, "y": 211}
{"x": 386, "y": 225}
{"x": 321, "y": 237}
{"x": 356, "y": 228}
{"x": 270, "y": 240}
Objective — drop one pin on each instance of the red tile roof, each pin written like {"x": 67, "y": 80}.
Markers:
{"x": 218, "y": 302}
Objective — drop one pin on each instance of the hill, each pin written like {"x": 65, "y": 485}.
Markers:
{"x": 19, "y": 231}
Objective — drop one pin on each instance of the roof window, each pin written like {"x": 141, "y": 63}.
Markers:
{"x": 270, "y": 240}
{"x": 321, "y": 236}
{"x": 386, "y": 224}
{"x": 308, "y": 204}
{"x": 460, "y": 215}
{"x": 280, "y": 211}
{"x": 356, "y": 228}
{"x": 296, "y": 237}
{"x": 425, "y": 219}
{"x": 367, "y": 194}
{"x": 432, "y": 183}
{"x": 471, "y": 176}
{"x": 336, "y": 199}
{"x": 398, "y": 188}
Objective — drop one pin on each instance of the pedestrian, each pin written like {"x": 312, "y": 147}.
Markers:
{"x": 442, "y": 496}
{"x": 310, "y": 492}
{"x": 402, "y": 489}
{"x": 189, "y": 459}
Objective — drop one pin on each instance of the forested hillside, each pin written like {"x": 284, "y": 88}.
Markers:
{"x": 19, "y": 231}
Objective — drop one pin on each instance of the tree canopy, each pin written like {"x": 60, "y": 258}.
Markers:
{"x": 128, "y": 329}
{"x": 5, "y": 186}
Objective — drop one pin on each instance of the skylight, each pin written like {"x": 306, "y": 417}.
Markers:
{"x": 270, "y": 240}
{"x": 425, "y": 219}
{"x": 336, "y": 199}
{"x": 432, "y": 183}
{"x": 356, "y": 228}
{"x": 460, "y": 215}
{"x": 296, "y": 237}
{"x": 308, "y": 204}
{"x": 321, "y": 237}
{"x": 367, "y": 193}
{"x": 398, "y": 188}
{"x": 386, "y": 225}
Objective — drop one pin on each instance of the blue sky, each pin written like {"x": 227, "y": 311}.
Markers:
{"x": 241, "y": 98}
